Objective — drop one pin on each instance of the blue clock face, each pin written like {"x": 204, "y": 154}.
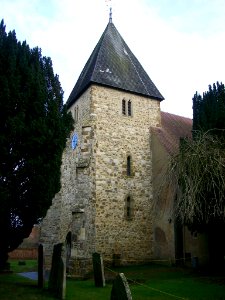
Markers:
{"x": 74, "y": 141}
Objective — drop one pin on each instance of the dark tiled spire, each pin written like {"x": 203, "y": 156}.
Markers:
{"x": 113, "y": 64}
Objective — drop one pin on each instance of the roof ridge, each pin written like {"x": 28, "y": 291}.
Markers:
{"x": 137, "y": 72}
{"x": 176, "y": 115}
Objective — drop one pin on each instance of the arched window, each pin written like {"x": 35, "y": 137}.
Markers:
{"x": 128, "y": 165}
{"x": 124, "y": 107}
{"x": 129, "y": 111}
{"x": 129, "y": 213}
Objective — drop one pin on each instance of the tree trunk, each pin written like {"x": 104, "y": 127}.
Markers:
{"x": 3, "y": 260}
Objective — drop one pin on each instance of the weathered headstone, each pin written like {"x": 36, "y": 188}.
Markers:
{"x": 98, "y": 268}
{"x": 57, "y": 277}
{"x": 41, "y": 280}
{"x": 120, "y": 289}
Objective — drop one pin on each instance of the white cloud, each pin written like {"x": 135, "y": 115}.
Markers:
{"x": 178, "y": 58}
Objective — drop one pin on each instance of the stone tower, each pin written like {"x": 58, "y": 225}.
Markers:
{"x": 105, "y": 201}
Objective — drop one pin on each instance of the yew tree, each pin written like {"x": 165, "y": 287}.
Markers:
{"x": 198, "y": 171}
{"x": 209, "y": 110}
{"x": 34, "y": 126}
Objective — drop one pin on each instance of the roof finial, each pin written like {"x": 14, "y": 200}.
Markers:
{"x": 110, "y": 15}
{"x": 109, "y": 4}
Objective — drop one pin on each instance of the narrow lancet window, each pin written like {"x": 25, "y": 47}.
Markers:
{"x": 128, "y": 207}
{"x": 124, "y": 107}
{"x": 129, "y": 108}
{"x": 129, "y": 165}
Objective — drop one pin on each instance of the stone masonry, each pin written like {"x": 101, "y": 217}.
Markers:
{"x": 92, "y": 202}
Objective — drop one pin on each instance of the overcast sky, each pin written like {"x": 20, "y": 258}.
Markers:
{"x": 180, "y": 43}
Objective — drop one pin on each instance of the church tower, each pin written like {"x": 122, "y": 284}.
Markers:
{"x": 105, "y": 201}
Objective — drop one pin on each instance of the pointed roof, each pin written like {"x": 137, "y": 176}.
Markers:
{"x": 113, "y": 64}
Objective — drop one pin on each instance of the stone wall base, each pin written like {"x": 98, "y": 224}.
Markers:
{"x": 80, "y": 268}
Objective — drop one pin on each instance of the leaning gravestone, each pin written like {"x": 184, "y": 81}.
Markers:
{"x": 98, "y": 268}
{"x": 120, "y": 288}
{"x": 41, "y": 281}
{"x": 57, "y": 277}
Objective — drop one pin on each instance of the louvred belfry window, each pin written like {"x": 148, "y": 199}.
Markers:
{"x": 129, "y": 108}
{"x": 124, "y": 107}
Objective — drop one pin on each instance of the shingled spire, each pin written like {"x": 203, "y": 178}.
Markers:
{"x": 113, "y": 64}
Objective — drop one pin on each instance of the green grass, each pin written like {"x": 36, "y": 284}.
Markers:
{"x": 30, "y": 265}
{"x": 87, "y": 291}
{"x": 159, "y": 282}
{"x": 151, "y": 282}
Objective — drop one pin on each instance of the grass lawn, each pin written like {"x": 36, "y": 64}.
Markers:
{"x": 159, "y": 282}
{"x": 146, "y": 282}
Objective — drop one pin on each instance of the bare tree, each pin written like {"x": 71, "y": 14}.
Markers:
{"x": 197, "y": 176}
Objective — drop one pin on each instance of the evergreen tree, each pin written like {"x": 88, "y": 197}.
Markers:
{"x": 34, "y": 126}
{"x": 198, "y": 172}
{"x": 209, "y": 110}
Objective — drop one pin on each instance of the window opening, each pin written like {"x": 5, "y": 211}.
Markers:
{"x": 128, "y": 207}
{"x": 129, "y": 108}
{"x": 124, "y": 107}
{"x": 129, "y": 165}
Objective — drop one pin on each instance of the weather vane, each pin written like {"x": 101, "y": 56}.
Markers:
{"x": 109, "y": 5}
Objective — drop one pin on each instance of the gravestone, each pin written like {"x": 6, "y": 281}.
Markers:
{"x": 98, "y": 268}
{"x": 120, "y": 289}
{"x": 41, "y": 280}
{"x": 57, "y": 277}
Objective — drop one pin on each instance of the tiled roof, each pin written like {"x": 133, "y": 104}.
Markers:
{"x": 173, "y": 129}
{"x": 113, "y": 64}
